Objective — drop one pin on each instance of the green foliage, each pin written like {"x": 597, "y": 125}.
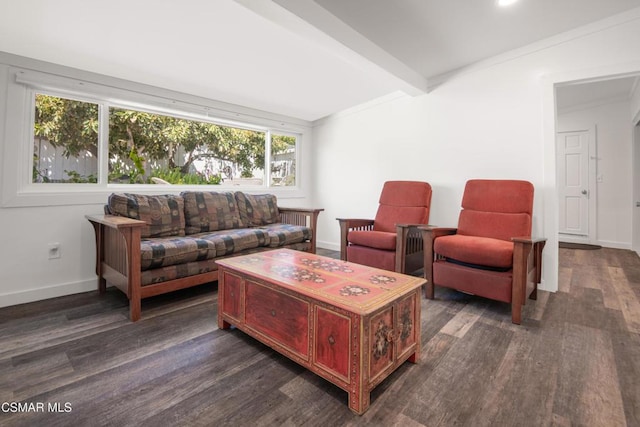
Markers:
{"x": 138, "y": 166}
{"x": 75, "y": 177}
{"x": 70, "y": 124}
{"x": 176, "y": 176}
{"x": 139, "y": 139}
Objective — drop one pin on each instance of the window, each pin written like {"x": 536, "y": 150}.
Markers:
{"x": 283, "y": 160}
{"x": 73, "y": 140}
{"x": 148, "y": 146}
{"x": 65, "y": 143}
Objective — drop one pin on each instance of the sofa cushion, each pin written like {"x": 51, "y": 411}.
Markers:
{"x": 162, "y": 252}
{"x": 286, "y": 234}
{"x": 257, "y": 209}
{"x": 229, "y": 242}
{"x": 210, "y": 211}
{"x": 373, "y": 239}
{"x": 482, "y": 251}
{"x": 164, "y": 214}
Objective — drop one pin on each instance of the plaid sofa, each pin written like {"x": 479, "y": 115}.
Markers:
{"x": 152, "y": 244}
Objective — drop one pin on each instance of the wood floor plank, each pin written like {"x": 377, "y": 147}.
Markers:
{"x": 629, "y": 303}
{"x": 449, "y": 386}
{"x": 587, "y": 360}
{"x": 564, "y": 279}
{"x": 460, "y": 324}
{"x": 626, "y": 348}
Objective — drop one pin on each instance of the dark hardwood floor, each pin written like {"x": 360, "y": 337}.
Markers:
{"x": 575, "y": 361}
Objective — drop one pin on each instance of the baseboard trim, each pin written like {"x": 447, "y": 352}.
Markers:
{"x": 604, "y": 243}
{"x": 37, "y": 294}
{"x": 328, "y": 245}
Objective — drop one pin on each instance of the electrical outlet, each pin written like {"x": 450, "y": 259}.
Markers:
{"x": 55, "y": 250}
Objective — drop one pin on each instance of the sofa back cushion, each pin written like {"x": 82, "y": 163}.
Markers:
{"x": 164, "y": 214}
{"x": 210, "y": 211}
{"x": 258, "y": 209}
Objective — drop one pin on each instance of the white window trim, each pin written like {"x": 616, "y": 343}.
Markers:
{"x": 21, "y": 83}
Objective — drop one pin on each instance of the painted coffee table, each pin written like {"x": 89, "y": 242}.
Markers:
{"x": 351, "y": 324}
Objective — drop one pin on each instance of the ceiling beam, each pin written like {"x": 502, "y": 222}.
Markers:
{"x": 320, "y": 26}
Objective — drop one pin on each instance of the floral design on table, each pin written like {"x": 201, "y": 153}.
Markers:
{"x": 354, "y": 291}
{"x": 326, "y": 265}
{"x": 299, "y": 274}
{"x": 381, "y": 279}
{"x": 406, "y": 323}
{"x": 252, "y": 260}
{"x": 381, "y": 340}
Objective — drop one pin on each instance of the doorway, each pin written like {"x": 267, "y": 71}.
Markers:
{"x": 577, "y": 198}
{"x": 595, "y": 164}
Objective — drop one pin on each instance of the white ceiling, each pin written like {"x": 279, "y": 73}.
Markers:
{"x": 301, "y": 58}
{"x": 437, "y": 36}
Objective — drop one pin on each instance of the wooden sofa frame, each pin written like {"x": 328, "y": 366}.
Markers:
{"x": 118, "y": 258}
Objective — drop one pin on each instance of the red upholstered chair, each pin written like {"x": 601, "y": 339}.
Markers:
{"x": 391, "y": 241}
{"x": 491, "y": 253}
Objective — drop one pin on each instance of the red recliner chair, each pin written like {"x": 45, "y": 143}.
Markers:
{"x": 391, "y": 241}
{"x": 491, "y": 253}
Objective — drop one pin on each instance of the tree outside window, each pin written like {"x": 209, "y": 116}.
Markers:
{"x": 146, "y": 148}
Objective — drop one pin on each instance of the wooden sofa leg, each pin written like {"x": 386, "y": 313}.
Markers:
{"x": 135, "y": 308}
{"x": 102, "y": 285}
{"x": 429, "y": 290}
{"x": 516, "y": 312}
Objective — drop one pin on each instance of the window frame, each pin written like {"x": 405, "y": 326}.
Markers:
{"x": 23, "y": 84}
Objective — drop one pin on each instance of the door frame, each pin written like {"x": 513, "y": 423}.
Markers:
{"x": 635, "y": 187}
{"x": 592, "y": 205}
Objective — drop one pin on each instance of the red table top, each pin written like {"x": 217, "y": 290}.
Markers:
{"x": 354, "y": 287}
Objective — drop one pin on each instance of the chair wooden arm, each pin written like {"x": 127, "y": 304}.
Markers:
{"x": 429, "y": 235}
{"x": 348, "y": 224}
{"x": 304, "y": 217}
{"x": 409, "y": 247}
{"x": 527, "y": 272}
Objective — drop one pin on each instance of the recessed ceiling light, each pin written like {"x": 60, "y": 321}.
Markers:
{"x": 505, "y": 3}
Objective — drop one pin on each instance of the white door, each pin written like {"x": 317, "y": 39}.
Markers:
{"x": 573, "y": 184}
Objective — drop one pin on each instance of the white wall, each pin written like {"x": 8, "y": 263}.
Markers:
{"x": 635, "y": 103}
{"x": 26, "y": 272}
{"x": 613, "y": 163}
{"x": 493, "y": 120}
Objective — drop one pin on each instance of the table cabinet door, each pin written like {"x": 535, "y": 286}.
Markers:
{"x": 279, "y": 316}
{"x": 332, "y": 342}
{"x": 233, "y": 305}
{"x": 406, "y": 330}
{"x": 382, "y": 354}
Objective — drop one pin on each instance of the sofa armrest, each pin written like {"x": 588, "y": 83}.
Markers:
{"x": 118, "y": 255}
{"x": 348, "y": 224}
{"x": 304, "y": 217}
{"x": 115, "y": 221}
